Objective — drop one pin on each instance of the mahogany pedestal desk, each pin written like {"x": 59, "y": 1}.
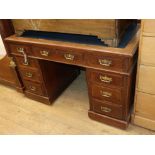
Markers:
{"x": 47, "y": 67}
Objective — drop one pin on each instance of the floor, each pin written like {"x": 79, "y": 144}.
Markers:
{"x": 68, "y": 114}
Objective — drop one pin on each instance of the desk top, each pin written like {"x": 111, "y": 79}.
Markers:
{"x": 128, "y": 51}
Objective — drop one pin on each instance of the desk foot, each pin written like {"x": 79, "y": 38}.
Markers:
{"x": 108, "y": 120}
{"x": 38, "y": 98}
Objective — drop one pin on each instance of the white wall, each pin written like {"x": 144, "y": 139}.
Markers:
{"x": 2, "y": 49}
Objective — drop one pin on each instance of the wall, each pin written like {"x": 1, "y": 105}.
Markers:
{"x": 2, "y": 49}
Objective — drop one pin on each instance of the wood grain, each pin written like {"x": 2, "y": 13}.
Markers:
{"x": 147, "y": 53}
{"x": 146, "y": 79}
{"x": 144, "y": 113}
{"x": 144, "y": 122}
{"x": 145, "y": 105}
{"x": 148, "y": 27}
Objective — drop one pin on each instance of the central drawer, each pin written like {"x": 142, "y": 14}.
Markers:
{"x": 106, "y": 94}
{"x": 61, "y": 55}
{"x": 69, "y": 56}
{"x": 43, "y": 52}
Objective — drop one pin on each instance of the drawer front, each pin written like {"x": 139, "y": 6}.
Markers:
{"x": 34, "y": 88}
{"x": 42, "y": 52}
{"x": 106, "y": 108}
{"x": 147, "y": 53}
{"x": 29, "y": 74}
{"x": 106, "y": 78}
{"x": 145, "y": 105}
{"x": 30, "y": 62}
{"x": 105, "y": 62}
{"x": 20, "y": 49}
{"x": 70, "y": 57}
{"x": 107, "y": 94}
{"x": 146, "y": 76}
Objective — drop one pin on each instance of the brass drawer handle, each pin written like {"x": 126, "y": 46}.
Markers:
{"x": 12, "y": 63}
{"x": 105, "y": 79}
{"x": 44, "y": 53}
{"x": 105, "y": 109}
{"x": 105, "y": 94}
{"x": 33, "y": 88}
{"x": 105, "y": 62}
{"x": 25, "y": 63}
{"x": 28, "y": 74}
{"x": 69, "y": 56}
{"x": 20, "y": 49}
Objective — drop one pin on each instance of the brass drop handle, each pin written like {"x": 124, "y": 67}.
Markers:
{"x": 69, "y": 56}
{"x": 105, "y": 62}
{"x": 105, "y": 94}
{"x": 44, "y": 53}
{"x": 20, "y": 49}
{"x": 105, "y": 79}
{"x": 25, "y": 59}
{"x": 12, "y": 63}
{"x": 25, "y": 63}
{"x": 28, "y": 74}
{"x": 105, "y": 109}
{"x": 33, "y": 88}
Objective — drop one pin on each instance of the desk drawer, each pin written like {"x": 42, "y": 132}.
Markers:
{"x": 105, "y": 62}
{"x": 106, "y": 78}
{"x": 42, "y": 52}
{"x": 33, "y": 63}
{"x": 34, "y": 88}
{"x": 19, "y": 49}
{"x": 29, "y": 74}
{"x": 69, "y": 57}
{"x": 108, "y": 109}
{"x": 107, "y": 94}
